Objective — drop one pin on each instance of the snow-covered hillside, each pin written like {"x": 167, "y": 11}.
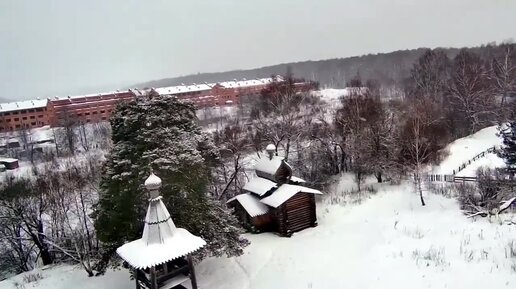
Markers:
{"x": 464, "y": 149}
{"x": 388, "y": 240}
{"x": 331, "y": 96}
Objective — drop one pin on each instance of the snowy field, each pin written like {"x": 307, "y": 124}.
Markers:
{"x": 386, "y": 241}
{"x": 464, "y": 149}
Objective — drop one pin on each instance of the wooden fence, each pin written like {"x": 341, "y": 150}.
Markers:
{"x": 490, "y": 150}
{"x": 455, "y": 179}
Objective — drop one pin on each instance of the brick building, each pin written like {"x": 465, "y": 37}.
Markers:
{"x": 216, "y": 94}
{"x": 86, "y": 108}
{"x": 23, "y": 114}
{"x": 98, "y": 107}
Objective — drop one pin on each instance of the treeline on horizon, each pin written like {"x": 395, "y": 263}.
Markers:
{"x": 389, "y": 69}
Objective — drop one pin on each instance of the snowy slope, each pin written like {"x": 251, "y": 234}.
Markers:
{"x": 464, "y": 149}
{"x": 70, "y": 277}
{"x": 389, "y": 241}
{"x": 331, "y": 96}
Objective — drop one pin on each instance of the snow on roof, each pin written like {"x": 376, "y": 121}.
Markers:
{"x": 8, "y": 160}
{"x": 507, "y": 203}
{"x": 297, "y": 180}
{"x": 285, "y": 192}
{"x": 26, "y": 104}
{"x": 182, "y": 89}
{"x": 270, "y": 147}
{"x": 269, "y": 166}
{"x": 246, "y": 83}
{"x": 153, "y": 182}
{"x": 251, "y": 204}
{"x": 141, "y": 255}
{"x": 259, "y": 186}
{"x": 89, "y": 95}
{"x": 161, "y": 241}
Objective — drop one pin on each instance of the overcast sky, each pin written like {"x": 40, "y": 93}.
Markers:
{"x": 66, "y": 47}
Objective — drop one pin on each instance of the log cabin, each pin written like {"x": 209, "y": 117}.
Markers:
{"x": 274, "y": 200}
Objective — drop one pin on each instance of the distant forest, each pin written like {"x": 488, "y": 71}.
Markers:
{"x": 389, "y": 69}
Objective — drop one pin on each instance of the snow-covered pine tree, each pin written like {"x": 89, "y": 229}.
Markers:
{"x": 162, "y": 134}
{"x": 508, "y": 152}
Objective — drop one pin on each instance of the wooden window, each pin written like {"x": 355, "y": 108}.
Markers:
{"x": 16, "y": 119}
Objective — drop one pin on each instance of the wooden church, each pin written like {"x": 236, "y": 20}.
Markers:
{"x": 274, "y": 200}
{"x": 161, "y": 259}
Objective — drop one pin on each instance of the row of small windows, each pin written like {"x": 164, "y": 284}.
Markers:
{"x": 18, "y": 119}
{"x": 62, "y": 116}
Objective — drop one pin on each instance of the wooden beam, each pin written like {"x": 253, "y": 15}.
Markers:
{"x": 193, "y": 279}
{"x": 153, "y": 280}
{"x": 136, "y": 278}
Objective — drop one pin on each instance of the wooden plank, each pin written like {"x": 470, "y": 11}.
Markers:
{"x": 300, "y": 227}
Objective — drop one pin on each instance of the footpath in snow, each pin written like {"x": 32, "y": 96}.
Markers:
{"x": 387, "y": 241}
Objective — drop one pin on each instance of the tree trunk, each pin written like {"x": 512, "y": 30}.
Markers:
{"x": 378, "y": 176}
{"x": 421, "y": 197}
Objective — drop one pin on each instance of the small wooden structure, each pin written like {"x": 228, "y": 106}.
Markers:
{"x": 275, "y": 200}
{"x": 9, "y": 163}
{"x": 161, "y": 259}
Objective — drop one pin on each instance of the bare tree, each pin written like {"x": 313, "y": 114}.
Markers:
{"x": 283, "y": 120}
{"x": 25, "y": 137}
{"x": 430, "y": 75}
{"x": 234, "y": 143}
{"x": 24, "y": 206}
{"x": 422, "y": 137}
{"x": 66, "y": 133}
{"x": 471, "y": 97}
{"x": 503, "y": 73}
{"x": 83, "y": 136}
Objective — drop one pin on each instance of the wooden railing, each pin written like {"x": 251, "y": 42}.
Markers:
{"x": 490, "y": 150}
{"x": 456, "y": 179}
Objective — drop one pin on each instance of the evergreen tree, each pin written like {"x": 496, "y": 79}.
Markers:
{"x": 161, "y": 134}
{"x": 508, "y": 152}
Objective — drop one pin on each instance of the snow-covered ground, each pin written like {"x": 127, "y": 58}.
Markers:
{"x": 332, "y": 96}
{"x": 387, "y": 241}
{"x": 34, "y": 135}
{"x": 464, "y": 149}
{"x": 383, "y": 239}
